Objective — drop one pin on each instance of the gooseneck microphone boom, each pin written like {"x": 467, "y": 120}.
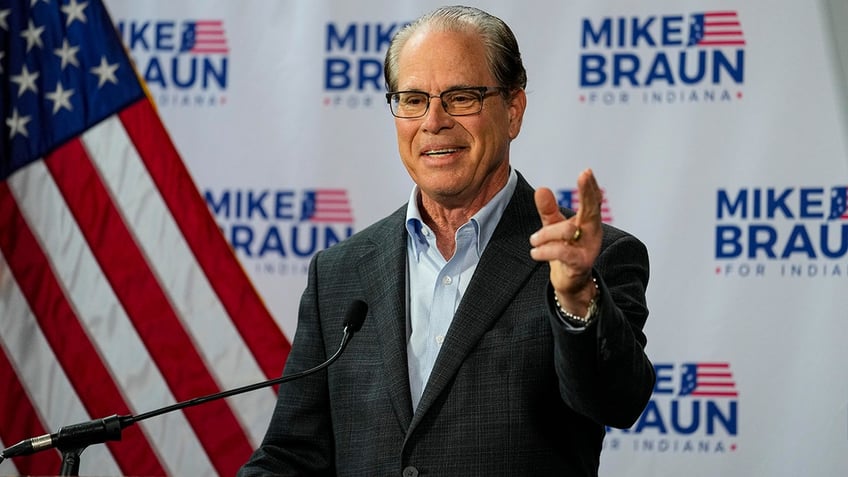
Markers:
{"x": 73, "y": 439}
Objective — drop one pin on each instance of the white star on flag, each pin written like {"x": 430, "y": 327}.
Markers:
{"x": 61, "y": 98}
{"x": 68, "y": 54}
{"x": 105, "y": 72}
{"x": 33, "y": 36}
{"x": 17, "y": 124}
{"x": 26, "y": 81}
{"x": 74, "y": 11}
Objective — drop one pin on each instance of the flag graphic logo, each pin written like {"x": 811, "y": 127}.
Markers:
{"x": 838, "y": 203}
{"x": 570, "y": 198}
{"x": 707, "y": 380}
{"x": 715, "y": 29}
{"x": 118, "y": 293}
{"x": 327, "y": 206}
{"x": 204, "y": 37}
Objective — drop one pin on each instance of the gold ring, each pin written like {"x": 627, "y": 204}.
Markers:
{"x": 578, "y": 232}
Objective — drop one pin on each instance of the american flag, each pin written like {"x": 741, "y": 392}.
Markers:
{"x": 118, "y": 293}
{"x": 327, "y": 205}
{"x": 720, "y": 28}
{"x": 204, "y": 36}
{"x": 838, "y": 203}
{"x": 570, "y": 198}
{"x": 707, "y": 380}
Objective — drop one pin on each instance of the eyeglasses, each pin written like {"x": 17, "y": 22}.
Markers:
{"x": 456, "y": 102}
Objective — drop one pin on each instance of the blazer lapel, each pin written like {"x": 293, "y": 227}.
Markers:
{"x": 503, "y": 267}
{"x": 383, "y": 271}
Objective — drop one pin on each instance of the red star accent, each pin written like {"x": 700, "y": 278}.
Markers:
{"x": 739, "y": 95}
{"x": 732, "y": 447}
{"x": 582, "y": 99}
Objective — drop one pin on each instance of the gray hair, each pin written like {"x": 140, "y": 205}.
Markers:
{"x": 502, "y": 53}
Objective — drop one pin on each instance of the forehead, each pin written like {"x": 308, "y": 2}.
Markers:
{"x": 442, "y": 59}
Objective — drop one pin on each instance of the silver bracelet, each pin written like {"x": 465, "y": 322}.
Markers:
{"x": 585, "y": 320}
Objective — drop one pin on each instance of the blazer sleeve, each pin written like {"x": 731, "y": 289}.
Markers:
{"x": 299, "y": 437}
{"x": 603, "y": 370}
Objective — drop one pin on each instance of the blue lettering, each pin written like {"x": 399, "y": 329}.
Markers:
{"x": 842, "y": 241}
{"x": 592, "y": 70}
{"x": 663, "y": 377}
{"x": 728, "y": 421}
{"x": 337, "y": 73}
{"x": 272, "y": 243}
{"x": 370, "y": 71}
{"x": 740, "y": 204}
{"x": 641, "y": 32}
{"x": 313, "y": 240}
{"x": 695, "y": 419}
{"x": 671, "y": 33}
{"x": 219, "y": 75}
{"x": 722, "y": 63}
{"x": 241, "y": 236}
{"x": 799, "y": 241}
{"x": 625, "y": 65}
{"x": 218, "y": 208}
{"x": 769, "y": 238}
{"x": 192, "y": 71}
{"x": 137, "y": 36}
{"x": 727, "y": 241}
{"x": 660, "y": 70}
{"x": 254, "y": 204}
{"x": 810, "y": 199}
{"x": 153, "y": 74}
{"x": 687, "y": 78}
{"x": 165, "y": 36}
{"x": 774, "y": 203}
{"x": 601, "y": 37}
{"x": 334, "y": 41}
{"x": 283, "y": 205}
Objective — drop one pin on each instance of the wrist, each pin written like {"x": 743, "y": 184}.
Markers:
{"x": 591, "y": 307}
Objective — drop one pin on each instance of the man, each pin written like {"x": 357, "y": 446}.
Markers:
{"x": 501, "y": 336}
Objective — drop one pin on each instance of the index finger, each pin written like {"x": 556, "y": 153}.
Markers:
{"x": 591, "y": 197}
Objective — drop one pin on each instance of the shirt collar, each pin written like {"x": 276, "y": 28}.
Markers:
{"x": 484, "y": 221}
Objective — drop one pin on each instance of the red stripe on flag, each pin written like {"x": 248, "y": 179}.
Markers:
{"x": 261, "y": 333}
{"x": 147, "y": 306}
{"x": 19, "y": 420}
{"x": 78, "y": 357}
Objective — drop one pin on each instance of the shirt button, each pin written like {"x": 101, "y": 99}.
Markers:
{"x": 447, "y": 280}
{"x": 410, "y": 472}
{"x": 440, "y": 339}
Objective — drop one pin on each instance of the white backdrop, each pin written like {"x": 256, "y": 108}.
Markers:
{"x": 747, "y": 331}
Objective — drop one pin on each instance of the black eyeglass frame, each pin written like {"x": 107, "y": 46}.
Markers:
{"x": 482, "y": 91}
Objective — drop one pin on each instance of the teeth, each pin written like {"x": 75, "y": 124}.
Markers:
{"x": 441, "y": 151}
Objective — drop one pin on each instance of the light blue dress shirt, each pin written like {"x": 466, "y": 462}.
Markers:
{"x": 435, "y": 286}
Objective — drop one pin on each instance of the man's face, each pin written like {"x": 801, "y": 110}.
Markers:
{"x": 456, "y": 161}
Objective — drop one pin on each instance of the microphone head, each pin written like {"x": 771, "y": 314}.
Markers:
{"x": 355, "y": 316}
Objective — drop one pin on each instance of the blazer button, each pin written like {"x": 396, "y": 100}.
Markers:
{"x": 410, "y": 471}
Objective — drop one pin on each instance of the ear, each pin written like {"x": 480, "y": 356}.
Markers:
{"x": 517, "y": 104}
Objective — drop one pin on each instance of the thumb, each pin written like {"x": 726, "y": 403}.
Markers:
{"x": 547, "y": 206}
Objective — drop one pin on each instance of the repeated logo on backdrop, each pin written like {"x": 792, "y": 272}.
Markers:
{"x": 570, "y": 198}
{"x": 661, "y": 59}
{"x": 353, "y": 63}
{"x": 694, "y": 409}
{"x": 276, "y": 232}
{"x": 185, "y": 63}
{"x": 782, "y": 231}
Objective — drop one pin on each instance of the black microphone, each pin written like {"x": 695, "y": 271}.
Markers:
{"x": 79, "y": 436}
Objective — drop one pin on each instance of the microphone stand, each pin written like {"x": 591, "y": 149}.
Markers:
{"x": 72, "y": 440}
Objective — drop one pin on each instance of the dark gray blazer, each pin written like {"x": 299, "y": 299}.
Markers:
{"x": 513, "y": 392}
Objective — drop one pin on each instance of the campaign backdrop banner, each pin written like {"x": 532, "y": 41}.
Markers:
{"x": 717, "y": 130}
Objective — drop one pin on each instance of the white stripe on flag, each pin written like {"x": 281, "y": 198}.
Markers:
{"x": 179, "y": 274}
{"x": 106, "y": 322}
{"x": 41, "y": 375}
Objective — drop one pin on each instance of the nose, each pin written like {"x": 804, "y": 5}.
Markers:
{"x": 436, "y": 117}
